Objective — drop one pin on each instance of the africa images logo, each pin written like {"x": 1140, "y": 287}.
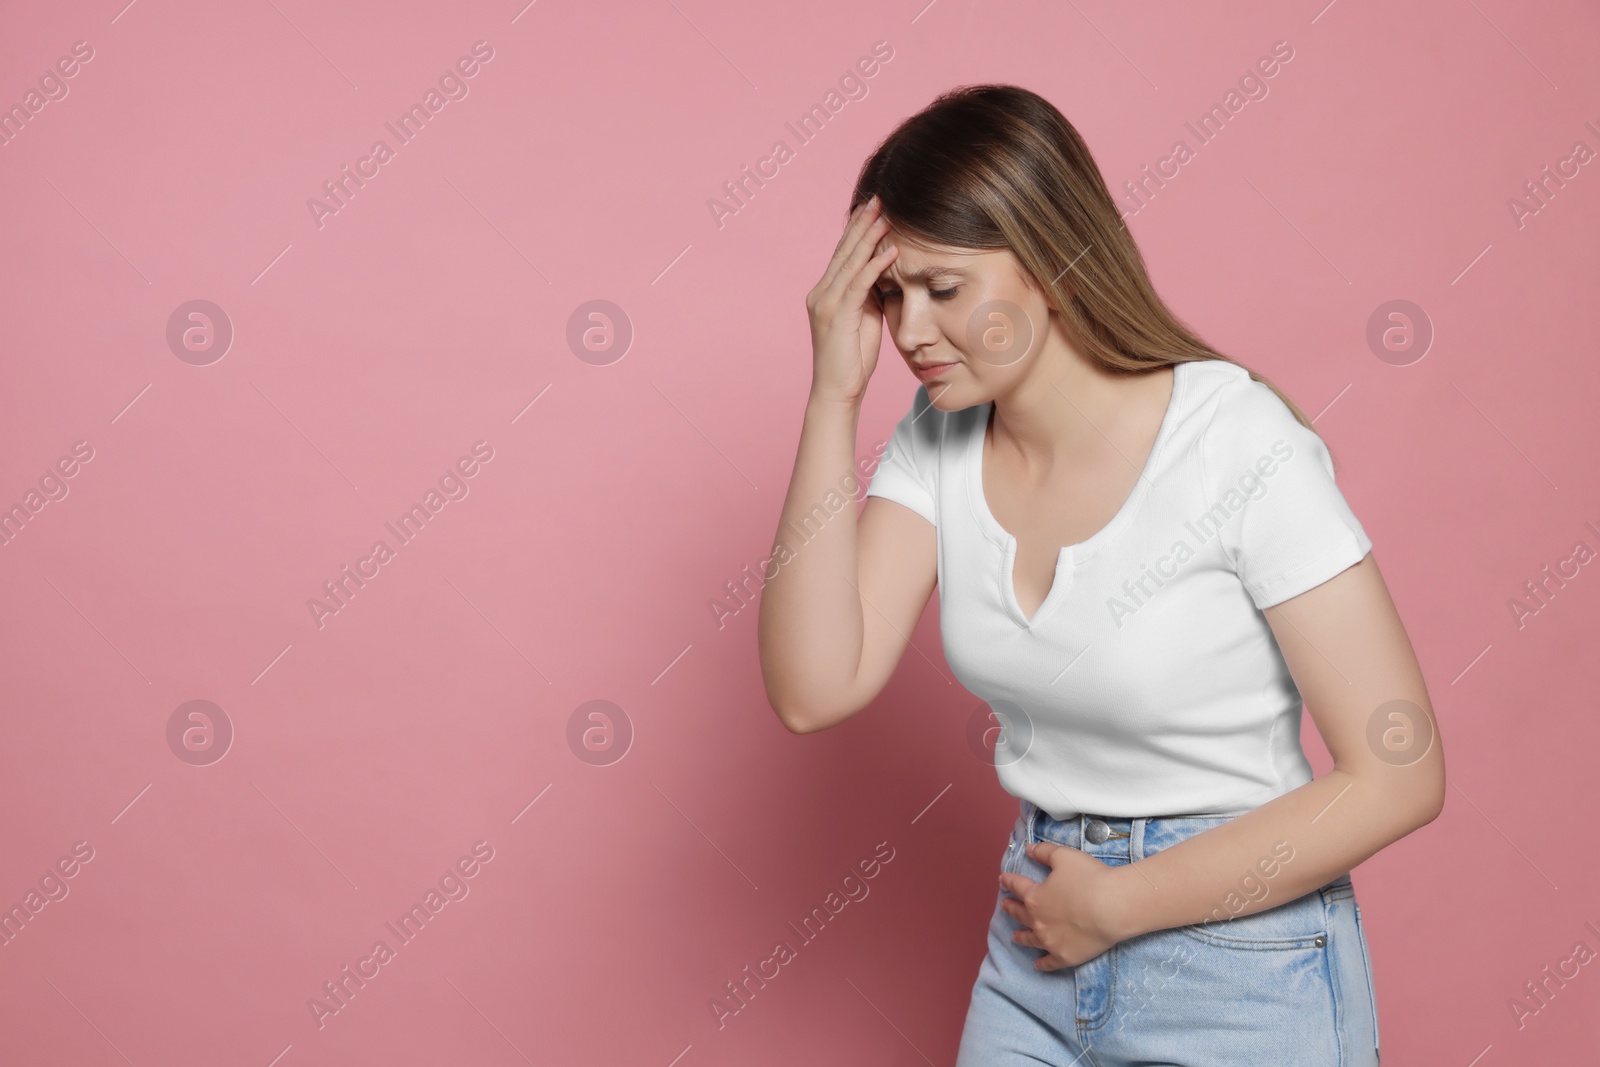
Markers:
{"x": 452, "y": 86}
{"x": 1251, "y": 485}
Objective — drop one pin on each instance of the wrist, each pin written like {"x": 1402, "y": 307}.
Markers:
{"x": 1123, "y": 911}
{"x": 823, "y": 399}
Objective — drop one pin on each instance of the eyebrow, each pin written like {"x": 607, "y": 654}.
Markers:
{"x": 931, "y": 272}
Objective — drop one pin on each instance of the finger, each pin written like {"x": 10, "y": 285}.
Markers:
{"x": 1018, "y": 911}
{"x": 859, "y": 285}
{"x": 1049, "y": 962}
{"x": 856, "y": 213}
{"x": 858, "y": 216}
{"x": 864, "y": 215}
{"x": 1028, "y": 938}
{"x": 860, "y": 267}
{"x": 1016, "y": 884}
{"x": 1058, "y": 857}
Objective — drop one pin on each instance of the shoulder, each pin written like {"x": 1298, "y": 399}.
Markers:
{"x": 922, "y": 453}
{"x": 1250, "y": 436}
{"x": 1227, "y": 393}
{"x": 1246, "y": 420}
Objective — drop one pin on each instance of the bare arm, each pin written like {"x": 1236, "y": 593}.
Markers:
{"x": 1353, "y": 662}
{"x": 836, "y": 617}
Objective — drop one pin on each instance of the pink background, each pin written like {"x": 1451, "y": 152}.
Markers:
{"x": 432, "y": 712}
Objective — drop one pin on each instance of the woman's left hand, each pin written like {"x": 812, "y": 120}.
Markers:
{"x": 1071, "y": 915}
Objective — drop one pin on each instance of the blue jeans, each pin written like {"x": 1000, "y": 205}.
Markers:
{"x": 1284, "y": 987}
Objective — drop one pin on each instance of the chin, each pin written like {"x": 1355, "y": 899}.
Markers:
{"x": 946, "y": 397}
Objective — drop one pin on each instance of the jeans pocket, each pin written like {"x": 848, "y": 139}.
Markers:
{"x": 1366, "y": 963}
{"x": 1295, "y": 925}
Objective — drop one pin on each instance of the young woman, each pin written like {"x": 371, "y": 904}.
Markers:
{"x": 1144, "y": 564}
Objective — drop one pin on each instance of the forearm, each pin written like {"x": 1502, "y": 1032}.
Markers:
{"x": 1268, "y": 856}
{"x": 810, "y": 624}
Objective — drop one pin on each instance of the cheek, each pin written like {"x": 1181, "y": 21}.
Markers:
{"x": 972, "y": 323}
{"x": 1000, "y": 345}
{"x": 961, "y": 333}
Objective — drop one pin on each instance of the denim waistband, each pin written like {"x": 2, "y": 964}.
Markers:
{"x": 1127, "y": 837}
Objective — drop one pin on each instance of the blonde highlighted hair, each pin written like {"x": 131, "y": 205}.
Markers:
{"x": 996, "y": 166}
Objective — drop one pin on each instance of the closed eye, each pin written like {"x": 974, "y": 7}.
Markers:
{"x": 937, "y": 294}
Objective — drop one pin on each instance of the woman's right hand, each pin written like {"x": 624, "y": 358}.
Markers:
{"x": 846, "y": 319}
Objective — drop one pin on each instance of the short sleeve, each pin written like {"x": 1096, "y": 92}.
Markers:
{"x": 906, "y": 473}
{"x": 1284, "y": 523}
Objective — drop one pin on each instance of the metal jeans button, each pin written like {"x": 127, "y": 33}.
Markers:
{"x": 1096, "y": 832}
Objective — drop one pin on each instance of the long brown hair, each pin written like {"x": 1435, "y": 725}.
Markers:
{"x": 997, "y": 166}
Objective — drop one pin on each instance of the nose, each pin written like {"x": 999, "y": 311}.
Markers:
{"x": 915, "y": 328}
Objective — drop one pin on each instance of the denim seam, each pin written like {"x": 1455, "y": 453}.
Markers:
{"x": 1253, "y": 944}
{"x": 1088, "y": 1058}
{"x": 1339, "y": 1008}
{"x": 1085, "y": 1025}
{"x": 1372, "y": 989}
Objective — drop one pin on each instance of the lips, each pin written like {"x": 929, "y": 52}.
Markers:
{"x": 931, "y": 370}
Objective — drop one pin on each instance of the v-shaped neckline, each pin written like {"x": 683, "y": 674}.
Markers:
{"x": 1076, "y": 553}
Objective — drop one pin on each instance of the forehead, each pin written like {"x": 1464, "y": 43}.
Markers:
{"x": 919, "y": 262}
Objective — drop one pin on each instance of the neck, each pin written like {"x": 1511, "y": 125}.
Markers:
{"x": 1067, "y": 406}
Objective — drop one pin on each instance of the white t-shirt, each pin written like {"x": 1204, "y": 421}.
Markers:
{"x": 1148, "y": 682}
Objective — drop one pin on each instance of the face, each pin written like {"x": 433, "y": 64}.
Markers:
{"x": 971, "y": 317}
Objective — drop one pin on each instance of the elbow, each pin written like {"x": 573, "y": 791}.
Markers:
{"x": 808, "y": 718}
{"x": 1409, "y": 799}
{"x": 781, "y": 697}
{"x": 1431, "y": 804}
{"x": 787, "y": 716}
{"x": 792, "y": 719}
{"x": 808, "y": 710}
{"x": 1425, "y": 803}
{"x": 1433, "y": 807}
{"x": 784, "y": 707}
{"x": 798, "y": 714}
